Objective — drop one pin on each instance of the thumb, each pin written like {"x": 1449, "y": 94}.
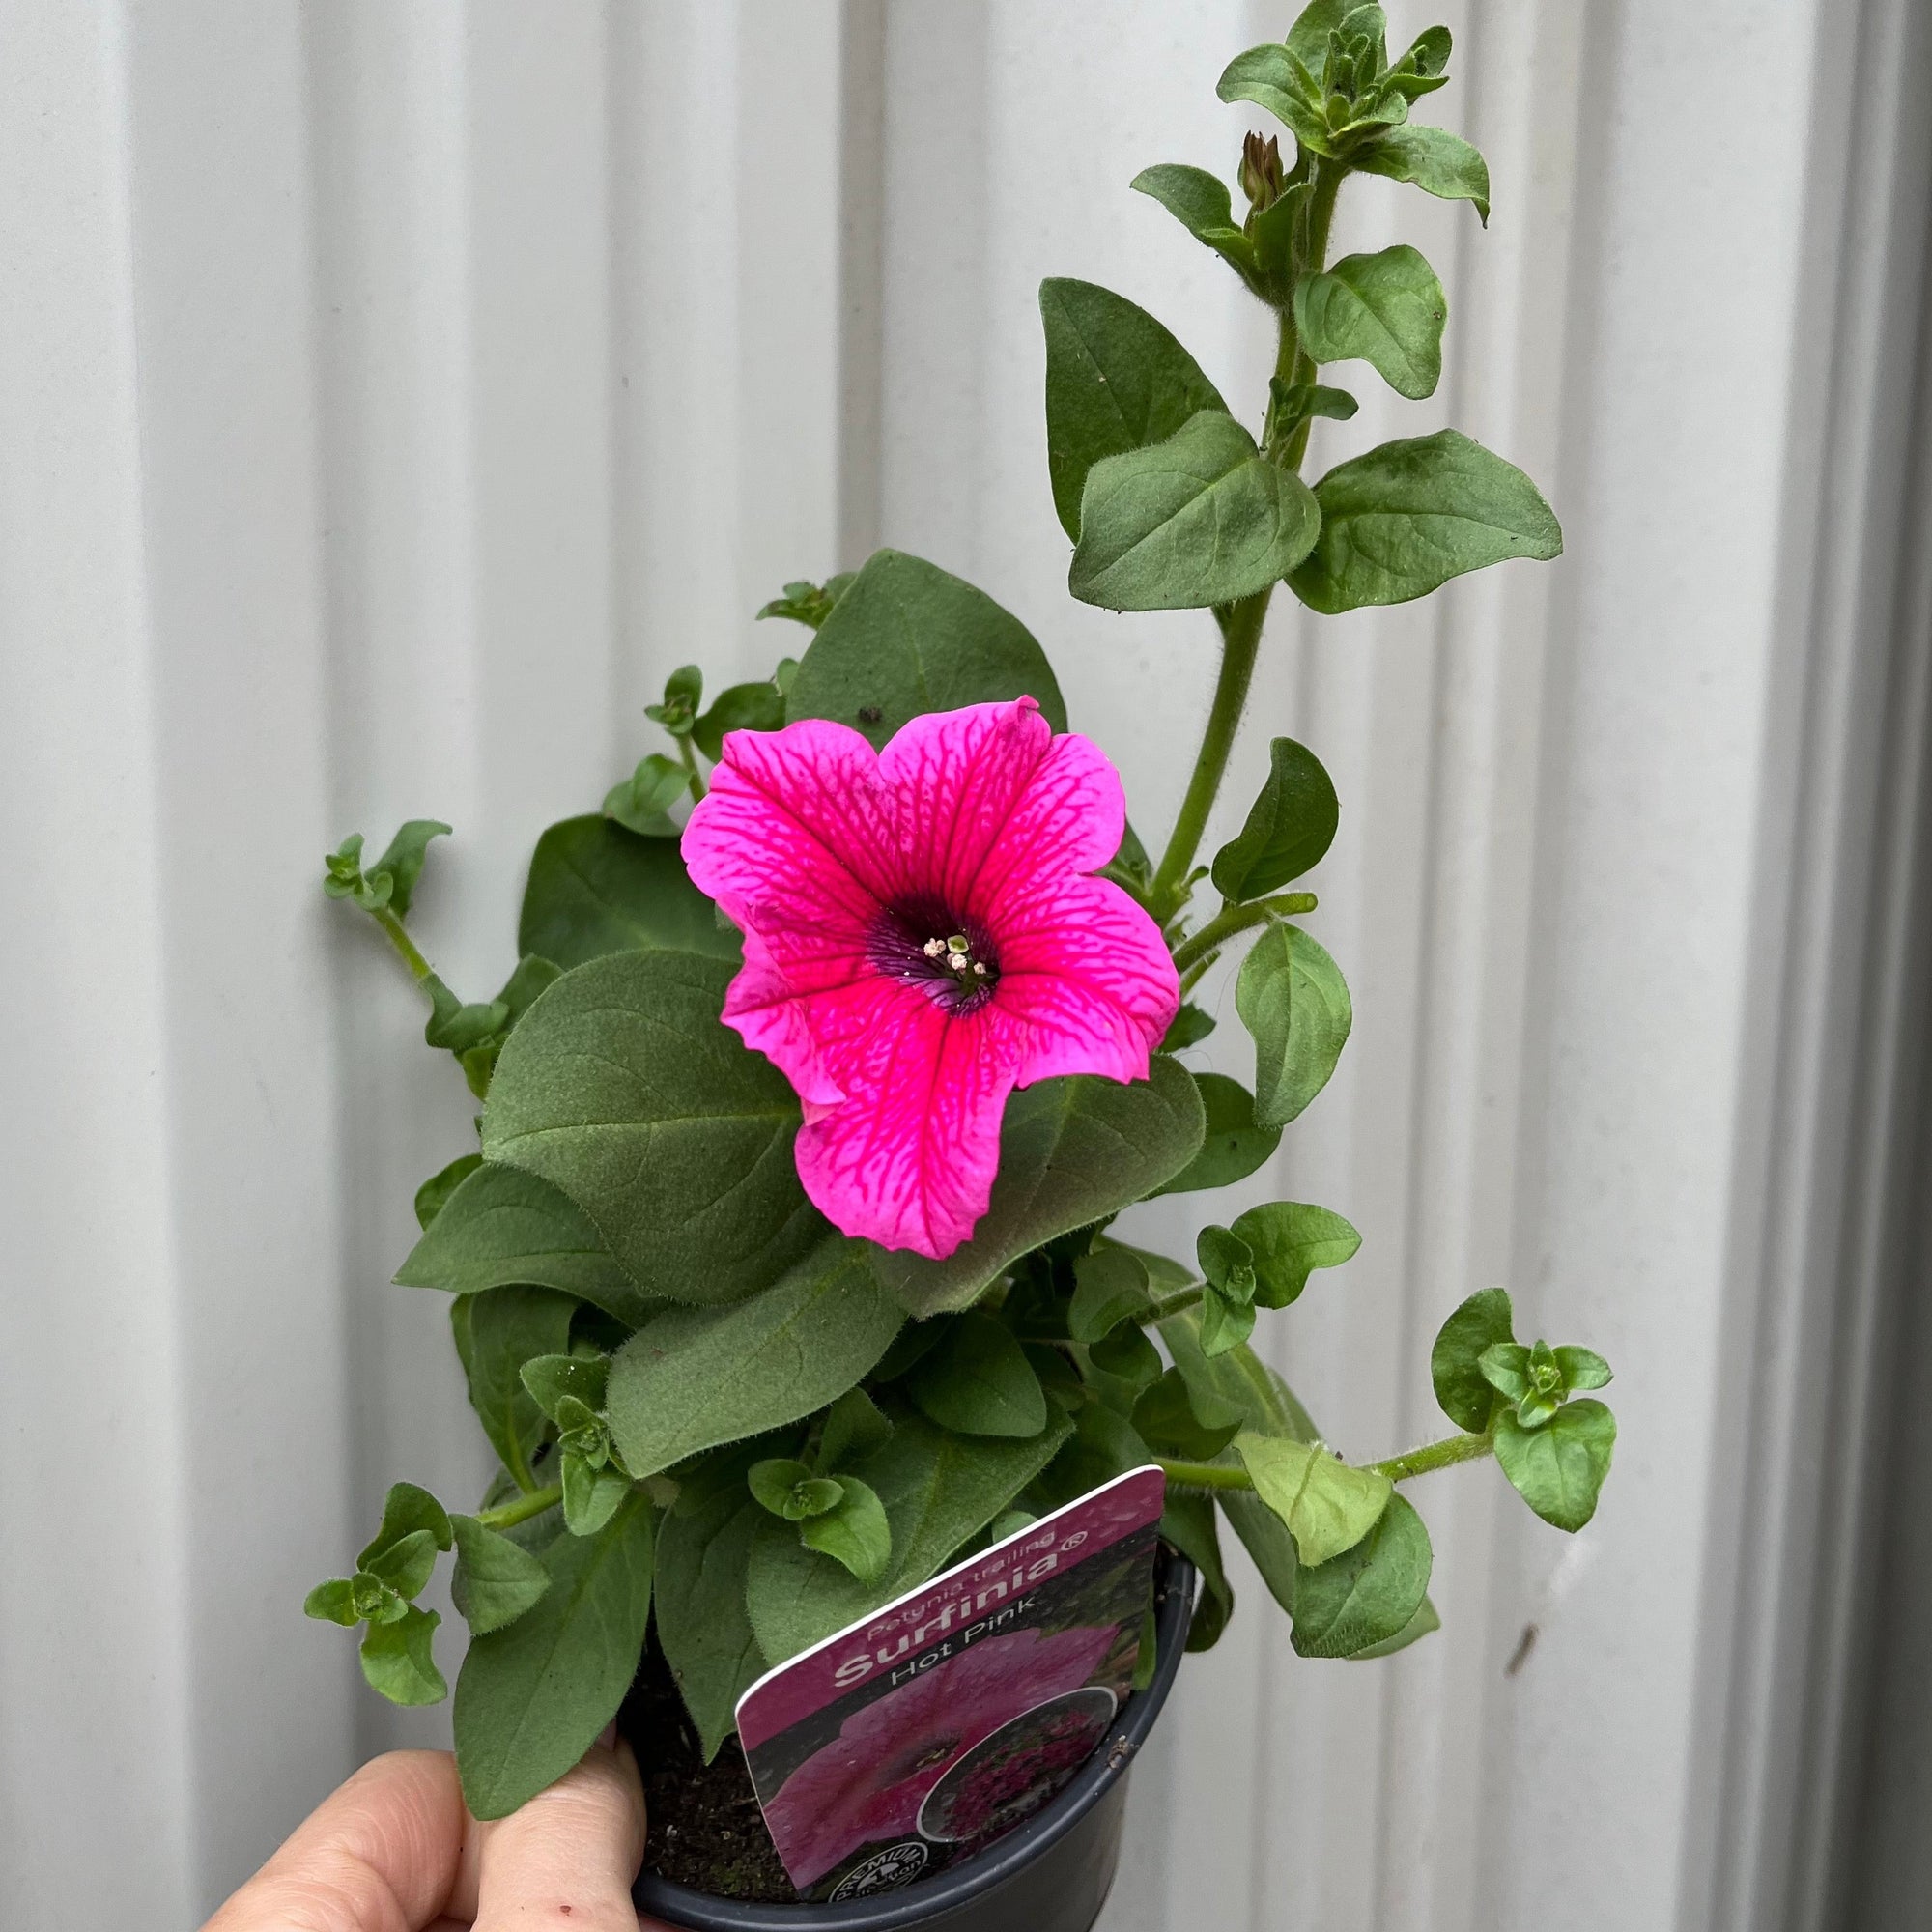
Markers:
{"x": 567, "y": 1856}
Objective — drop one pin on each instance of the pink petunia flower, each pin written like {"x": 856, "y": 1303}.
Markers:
{"x": 922, "y": 935}
{"x": 870, "y": 1781}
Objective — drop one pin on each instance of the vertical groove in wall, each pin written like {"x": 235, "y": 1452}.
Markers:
{"x": 862, "y": 196}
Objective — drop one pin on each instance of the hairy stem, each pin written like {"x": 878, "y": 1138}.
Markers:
{"x": 1463, "y": 1448}
{"x": 1234, "y": 919}
{"x": 689, "y": 757}
{"x": 1205, "y": 1475}
{"x": 399, "y": 938}
{"x": 1321, "y": 216}
{"x": 1241, "y": 641}
{"x": 521, "y": 1508}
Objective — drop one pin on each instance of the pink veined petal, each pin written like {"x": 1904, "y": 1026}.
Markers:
{"x": 770, "y": 1014}
{"x": 1087, "y": 977}
{"x": 1069, "y": 818}
{"x": 796, "y": 833}
{"x": 955, "y": 777}
{"x": 908, "y": 1160}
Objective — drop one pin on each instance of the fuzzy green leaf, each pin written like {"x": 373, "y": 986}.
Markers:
{"x": 1455, "y": 1363}
{"x": 1199, "y": 202}
{"x": 1385, "y": 309}
{"x": 854, "y": 1427}
{"x": 1435, "y": 160}
{"x": 979, "y": 1381}
{"x": 398, "y": 1659}
{"x": 531, "y": 1697}
{"x": 1177, "y": 1420}
{"x": 1558, "y": 1468}
{"x": 1290, "y": 827}
{"x": 1403, "y": 519}
{"x": 622, "y": 1088}
{"x": 1109, "y": 1285}
{"x": 496, "y": 1580}
{"x": 496, "y": 1332}
{"x": 742, "y": 707}
{"x": 1289, "y": 1240}
{"x": 403, "y": 861}
{"x": 1201, "y": 519}
{"x": 1293, "y": 1001}
{"x": 1072, "y": 1151}
{"x": 854, "y": 1531}
{"x": 1233, "y": 1145}
{"x": 1328, "y": 1505}
{"x": 1189, "y": 1523}
{"x": 937, "y": 1489}
{"x": 693, "y": 1378}
{"x": 1369, "y": 1593}
{"x": 502, "y": 1227}
{"x": 595, "y": 888}
{"x": 1116, "y": 380}
{"x": 1424, "y": 1623}
{"x": 909, "y": 637}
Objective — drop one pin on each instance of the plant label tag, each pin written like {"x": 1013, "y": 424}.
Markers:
{"x": 923, "y": 1731}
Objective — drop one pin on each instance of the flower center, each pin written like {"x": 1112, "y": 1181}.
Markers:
{"x": 950, "y": 960}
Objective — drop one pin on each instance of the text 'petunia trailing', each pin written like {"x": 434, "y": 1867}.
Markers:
{"x": 922, "y": 935}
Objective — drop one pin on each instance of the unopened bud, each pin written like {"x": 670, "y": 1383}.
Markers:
{"x": 1261, "y": 171}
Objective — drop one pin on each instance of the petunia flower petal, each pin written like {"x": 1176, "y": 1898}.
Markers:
{"x": 1068, "y": 819}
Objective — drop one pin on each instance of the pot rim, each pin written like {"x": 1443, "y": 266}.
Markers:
{"x": 683, "y": 1905}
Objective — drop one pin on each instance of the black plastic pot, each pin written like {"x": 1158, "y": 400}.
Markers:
{"x": 1051, "y": 1874}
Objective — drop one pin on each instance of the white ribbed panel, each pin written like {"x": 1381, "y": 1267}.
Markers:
{"x": 391, "y": 391}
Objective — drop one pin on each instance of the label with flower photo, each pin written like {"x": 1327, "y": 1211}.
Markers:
{"x": 930, "y": 1727}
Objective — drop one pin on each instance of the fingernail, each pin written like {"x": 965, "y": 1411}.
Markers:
{"x": 607, "y": 1738}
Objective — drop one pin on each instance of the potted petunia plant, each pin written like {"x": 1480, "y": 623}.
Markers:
{"x": 789, "y": 1269}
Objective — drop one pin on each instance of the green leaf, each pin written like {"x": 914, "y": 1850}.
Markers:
{"x": 531, "y": 1697}
{"x": 1199, "y": 202}
{"x": 404, "y": 1564}
{"x": 1385, "y": 309}
{"x": 1289, "y": 1240}
{"x": 853, "y": 1532}
{"x": 434, "y": 1192}
{"x": 1424, "y": 1623}
{"x": 1293, "y": 999}
{"x": 1308, "y": 39}
{"x": 1116, "y": 380}
{"x": 1369, "y": 1593}
{"x": 1189, "y": 1523}
{"x": 642, "y": 803}
{"x": 1328, "y": 1505}
{"x": 1266, "y": 1404}
{"x": 937, "y": 1489}
{"x": 907, "y": 637}
{"x": 1294, "y": 401}
{"x": 1226, "y": 1321}
{"x": 1128, "y": 1355}
{"x": 591, "y": 1495}
{"x": 502, "y": 1227}
{"x": 1176, "y": 1420}
{"x": 407, "y": 1511}
{"x": 333, "y": 1603}
{"x": 980, "y": 1383}
{"x": 1198, "y": 520}
{"x": 496, "y": 1580}
{"x": 1290, "y": 827}
{"x": 1267, "y": 75}
{"x": 622, "y": 1088}
{"x": 693, "y": 1378}
{"x": 704, "y": 1551}
{"x": 1109, "y": 1285}
{"x": 557, "y": 1382}
{"x": 787, "y": 1489}
{"x": 496, "y": 1332}
{"x": 742, "y": 707}
{"x": 1455, "y": 1363}
{"x": 1505, "y": 1367}
{"x": 1072, "y": 1151}
{"x": 403, "y": 862}
{"x": 595, "y": 888}
{"x": 1233, "y": 1145}
{"x": 684, "y": 692}
{"x": 456, "y": 1027}
{"x": 1559, "y": 1468}
{"x": 1225, "y": 1262}
{"x": 1057, "y": 1376}
{"x": 1435, "y": 160}
{"x": 1189, "y": 1027}
{"x": 399, "y": 1661}
{"x": 1405, "y": 518}
{"x": 854, "y": 1427}
{"x": 808, "y": 604}
{"x": 1582, "y": 1368}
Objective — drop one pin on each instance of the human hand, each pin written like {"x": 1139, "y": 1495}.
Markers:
{"x": 396, "y": 1850}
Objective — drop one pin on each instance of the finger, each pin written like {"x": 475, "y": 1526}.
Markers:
{"x": 568, "y": 1855}
{"x": 380, "y": 1854}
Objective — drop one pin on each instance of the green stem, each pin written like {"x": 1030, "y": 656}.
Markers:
{"x": 1241, "y": 641}
{"x": 1452, "y": 1449}
{"x": 418, "y": 966}
{"x": 521, "y": 1508}
{"x": 689, "y": 757}
{"x": 1205, "y": 1475}
{"x": 1234, "y": 919}
{"x": 1315, "y": 257}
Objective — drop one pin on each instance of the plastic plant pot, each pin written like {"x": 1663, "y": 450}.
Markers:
{"x": 1049, "y": 1874}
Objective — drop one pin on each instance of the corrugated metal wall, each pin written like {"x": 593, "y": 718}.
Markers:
{"x": 392, "y": 391}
